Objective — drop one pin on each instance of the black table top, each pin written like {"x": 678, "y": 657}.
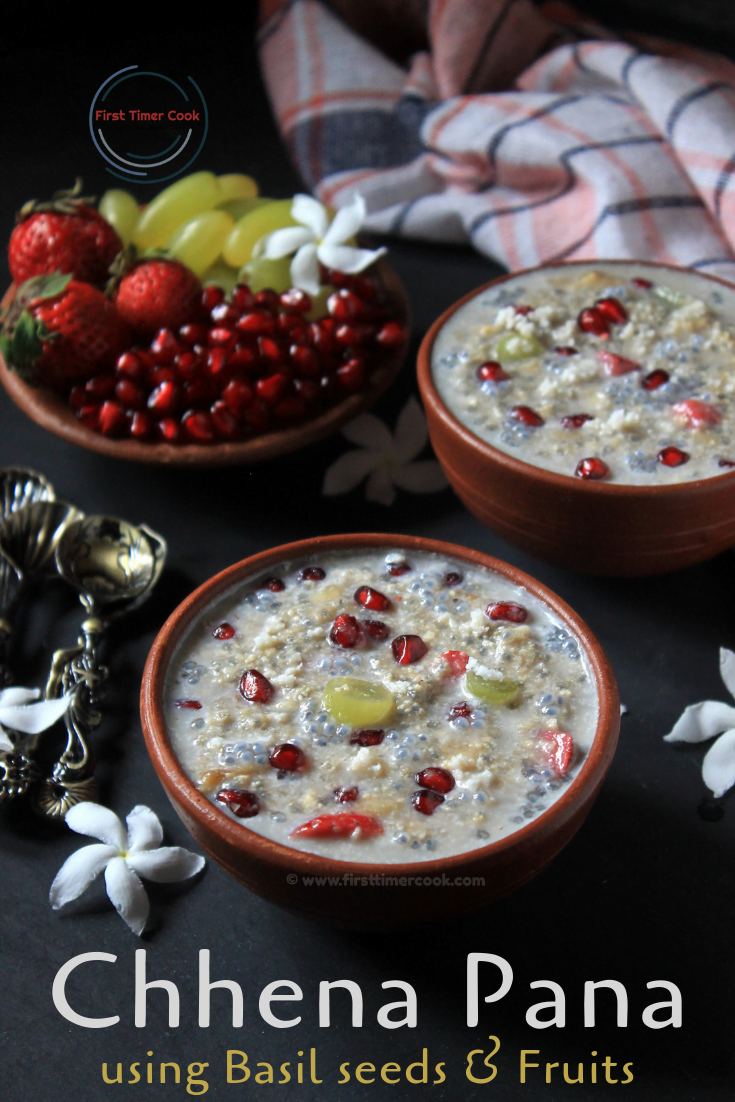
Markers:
{"x": 645, "y": 891}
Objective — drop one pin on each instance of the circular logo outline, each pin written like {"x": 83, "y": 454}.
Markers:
{"x": 134, "y": 175}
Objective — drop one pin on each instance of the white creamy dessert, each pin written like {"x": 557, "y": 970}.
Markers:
{"x": 380, "y": 706}
{"x": 622, "y": 373}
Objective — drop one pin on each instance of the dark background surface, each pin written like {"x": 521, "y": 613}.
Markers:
{"x": 644, "y": 892}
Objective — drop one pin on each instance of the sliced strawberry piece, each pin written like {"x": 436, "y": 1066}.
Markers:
{"x": 697, "y": 414}
{"x": 342, "y": 825}
{"x": 558, "y": 749}
{"x": 614, "y": 364}
{"x": 457, "y": 661}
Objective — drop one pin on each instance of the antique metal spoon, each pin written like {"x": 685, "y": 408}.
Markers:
{"x": 113, "y": 566}
{"x": 28, "y": 541}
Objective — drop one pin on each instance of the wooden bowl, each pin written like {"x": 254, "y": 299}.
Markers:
{"x": 594, "y": 527}
{"x": 276, "y": 871}
{"x": 50, "y": 411}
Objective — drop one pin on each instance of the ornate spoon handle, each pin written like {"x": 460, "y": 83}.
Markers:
{"x": 78, "y": 670}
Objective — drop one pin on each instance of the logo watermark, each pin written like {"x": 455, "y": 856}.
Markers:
{"x": 381, "y": 880}
{"x": 148, "y": 126}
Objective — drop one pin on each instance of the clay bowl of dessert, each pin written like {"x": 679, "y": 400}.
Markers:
{"x": 52, "y": 412}
{"x": 604, "y": 438}
{"x": 421, "y": 810}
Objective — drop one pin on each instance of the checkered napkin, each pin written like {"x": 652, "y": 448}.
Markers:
{"x": 527, "y": 131}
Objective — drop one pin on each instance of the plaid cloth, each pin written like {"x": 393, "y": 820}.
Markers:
{"x": 527, "y": 132}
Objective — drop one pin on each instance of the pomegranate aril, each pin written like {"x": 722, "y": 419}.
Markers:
{"x": 616, "y": 365}
{"x": 141, "y": 425}
{"x": 457, "y": 661}
{"x": 344, "y": 305}
{"x": 453, "y": 578}
{"x": 460, "y": 711}
{"x": 391, "y": 335}
{"x": 566, "y": 350}
{"x": 196, "y": 392}
{"x": 592, "y": 468}
{"x": 312, "y": 574}
{"x": 370, "y": 737}
{"x": 242, "y": 298}
{"x": 524, "y": 415}
{"x": 225, "y": 423}
{"x": 697, "y": 414}
{"x": 211, "y": 297}
{"x": 408, "y": 649}
{"x": 426, "y": 801}
{"x": 271, "y": 388}
{"x": 351, "y": 375}
{"x": 396, "y": 569}
{"x": 255, "y": 687}
{"x": 164, "y": 347}
{"x": 198, "y": 426}
{"x": 130, "y": 394}
{"x": 113, "y": 421}
{"x": 364, "y": 287}
{"x": 165, "y": 398}
{"x": 242, "y": 357}
{"x": 372, "y": 599}
{"x": 612, "y": 309}
{"x": 287, "y": 757}
{"x": 506, "y": 610}
{"x": 593, "y": 321}
{"x": 268, "y": 300}
{"x": 157, "y": 375}
{"x": 435, "y": 779}
{"x": 293, "y": 326}
{"x": 672, "y": 456}
{"x": 306, "y": 389}
{"x": 643, "y": 284}
{"x": 354, "y": 334}
{"x": 256, "y": 324}
{"x": 193, "y": 333}
{"x": 194, "y": 704}
{"x": 523, "y": 310}
{"x": 223, "y": 631}
{"x": 492, "y": 372}
{"x": 275, "y": 585}
{"x": 239, "y": 801}
{"x": 729, "y": 463}
{"x": 100, "y": 387}
{"x": 296, "y": 301}
{"x": 187, "y": 365}
{"x": 78, "y": 397}
{"x": 225, "y": 314}
{"x": 342, "y": 825}
{"x": 655, "y": 379}
{"x": 346, "y": 795}
{"x": 304, "y": 360}
{"x": 376, "y": 629}
{"x": 345, "y": 632}
{"x": 322, "y": 333}
{"x": 220, "y": 337}
{"x": 238, "y": 397}
{"x": 218, "y": 364}
{"x": 169, "y": 429}
{"x": 576, "y": 420}
{"x": 89, "y": 416}
{"x": 271, "y": 351}
{"x": 130, "y": 365}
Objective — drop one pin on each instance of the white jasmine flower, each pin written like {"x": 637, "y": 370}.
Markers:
{"x": 315, "y": 239}
{"x": 385, "y": 458}
{"x": 123, "y": 856}
{"x": 19, "y": 714}
{"x": 700, "y": 722}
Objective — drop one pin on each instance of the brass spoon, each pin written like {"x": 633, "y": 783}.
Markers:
{"x": 114, "y": 566}
{"x": 28, "y": 541}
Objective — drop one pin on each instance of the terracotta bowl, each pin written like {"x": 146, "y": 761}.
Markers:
{"x": 50, "y": 412}
{"x": 274, "y": 871}
{"x": 595, "y": 527}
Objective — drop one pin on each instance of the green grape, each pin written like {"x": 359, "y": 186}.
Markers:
{"x": 252, "y": 226}
{"x": 236, "y": 186}
{"x": 359, "y": 703}
{"x": 669, "y": 295}
{"x": 120, "y": 209}
{"x": 199, "y": 242}
{"x": 220, "y": 275}
{"x": 260, "y": 274}
{"x": 516, "y": 346}
{"x": 490, "y": 690}
{"x": 173, "y": 206}
{"x": 319, "y": 302}
{"x": 236, "y": 208}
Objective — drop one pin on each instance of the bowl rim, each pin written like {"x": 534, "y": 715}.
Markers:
{"x": 50, "y": 412}
{"x": 564, "y": 482}
{"x": 199, "y": 808}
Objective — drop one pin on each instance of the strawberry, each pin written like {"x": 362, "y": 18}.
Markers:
{"x": 64, "y": 235}
{"x": 59, "y": 331}
{"x": 158, "y": 294}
